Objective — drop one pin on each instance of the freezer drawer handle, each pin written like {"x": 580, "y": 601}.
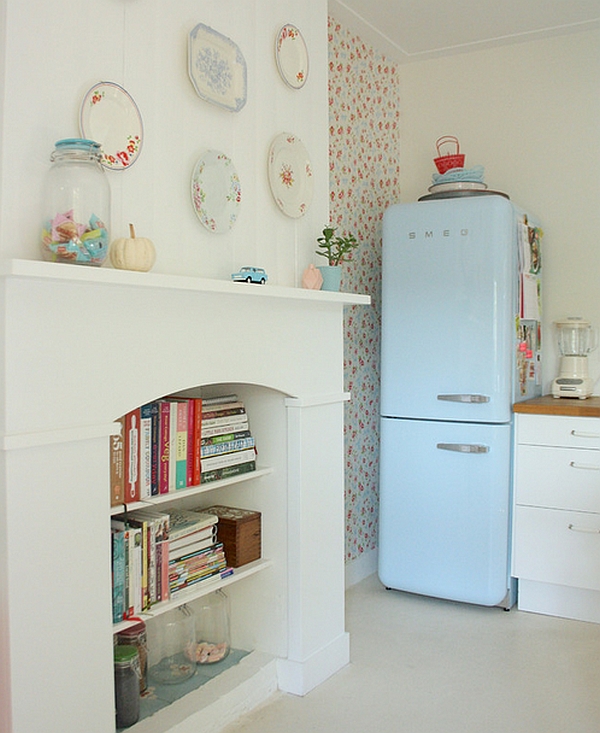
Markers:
{"x": 581, "y": 434}
{"x": 585, "y": 466}
{"x": 589, "y": 530}
{"x": 474, "y": 398}
{"x": 464, "y": 447}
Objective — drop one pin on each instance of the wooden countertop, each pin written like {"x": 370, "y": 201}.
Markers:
{"x": 567, "y": 406}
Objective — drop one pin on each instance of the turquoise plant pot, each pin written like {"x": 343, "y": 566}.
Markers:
{"x": 332, "y": 277}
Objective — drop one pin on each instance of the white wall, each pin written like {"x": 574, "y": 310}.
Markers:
{"x": 529, "y": 113}
{"x": 56, "y": 51}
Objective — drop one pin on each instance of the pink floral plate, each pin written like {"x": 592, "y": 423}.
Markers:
{"x": 290, "y": 175}
{"x": 109, "y": 116}
{"x": 291, "y": 55}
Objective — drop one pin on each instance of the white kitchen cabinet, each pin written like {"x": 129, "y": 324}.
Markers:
{"x": 556, "y": 528}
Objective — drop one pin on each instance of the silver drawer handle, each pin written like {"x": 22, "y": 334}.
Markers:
{"x": 472, "y": 398}
{"x": 584, "y": 466}
{"x": 581, "y": 434}
{"x": 464, "y": 447}
{"x": 573, "y": 528}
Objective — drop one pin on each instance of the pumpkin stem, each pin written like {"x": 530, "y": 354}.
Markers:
{"x": 131, "y": 231}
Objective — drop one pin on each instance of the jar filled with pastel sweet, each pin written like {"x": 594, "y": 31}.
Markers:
{"x": 76, "y": 205}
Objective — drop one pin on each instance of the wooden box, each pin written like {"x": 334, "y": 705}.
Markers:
{"x": 240, "y": 532}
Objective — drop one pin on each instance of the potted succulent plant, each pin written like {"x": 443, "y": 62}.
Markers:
{"x": 335, "y": 249}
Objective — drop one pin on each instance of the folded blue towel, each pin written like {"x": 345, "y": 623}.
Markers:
{"x": 474, "y": 175}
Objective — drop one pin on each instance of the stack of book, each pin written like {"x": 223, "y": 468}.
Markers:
{"x": 194, "y": 553}
{"x": 140, "y": 561}
{"x": 175, "y": 442}
{"x": 227, "y": 447}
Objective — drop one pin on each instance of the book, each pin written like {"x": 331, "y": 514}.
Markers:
{"x": 172, "y": 443}
{"x": 164, "y": 413}
{"x": 197, "y": 441}
{"x": 146, "y": 412}
{"x": 237, "y": 419}
{"x": 225, "y": 437}
{"x": 131, "y": 441}
{"x": 154, "y": 449}
{"x": 236, "y": 408}
{"x": 201, "y": 534}
{"x": 227, "y": 459}
{"x": 224, "y": 428}
{"x": 191, "y": 437}
{"x": 118, "y": 574}
{"x": 117, "y": 466}
{"x": 181, "y": 440}
{"x": 184, "y": 522}
{"x": 227, "y": 447}
{"x": 219, "y": 400}
{"x": 219, "y": 474}
{"x": 183, "y": 552}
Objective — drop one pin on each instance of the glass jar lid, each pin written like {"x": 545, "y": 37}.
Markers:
{"x": 124, "y": 654}
{"x": 75, "y": 146}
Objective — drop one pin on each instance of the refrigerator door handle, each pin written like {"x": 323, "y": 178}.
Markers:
{"x": 464, "y": 447}
{"x": 474, "y": 398}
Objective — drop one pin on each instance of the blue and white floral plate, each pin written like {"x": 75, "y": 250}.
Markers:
{"x": 217, "y": 68}
{"x": 216, "y": 191}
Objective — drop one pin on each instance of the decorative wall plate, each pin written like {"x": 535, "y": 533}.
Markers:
{"x": 217, "y": 68}
{"x": 109, "y": 116}
{"x": 290, "y": 175}
{"x": 292, "y": 56}
{"x": 216, "y": 191}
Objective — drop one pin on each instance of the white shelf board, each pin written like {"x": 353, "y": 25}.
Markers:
{"x": 173, "y": 496}
{"x": 109, "y": 276}
{"x": 203, "y": 588}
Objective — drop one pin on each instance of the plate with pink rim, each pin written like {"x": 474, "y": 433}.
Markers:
{"x": 110, "y": 116}
{"x": 290, "y": 175}
{"x": 292, "y": 56}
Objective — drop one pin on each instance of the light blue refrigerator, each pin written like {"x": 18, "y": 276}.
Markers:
{"x": 460, "y": 344}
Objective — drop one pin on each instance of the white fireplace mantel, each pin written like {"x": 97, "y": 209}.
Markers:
{"x": 82, "y": 346}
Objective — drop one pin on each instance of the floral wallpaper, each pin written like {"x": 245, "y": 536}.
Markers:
{"x": 363, "y": 180}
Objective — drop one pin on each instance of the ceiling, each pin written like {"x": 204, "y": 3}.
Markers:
{"x": 411, "y": 30}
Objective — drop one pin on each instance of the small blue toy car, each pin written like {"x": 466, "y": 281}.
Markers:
{"x": 250, "y": 275}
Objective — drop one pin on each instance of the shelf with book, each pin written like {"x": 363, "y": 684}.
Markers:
{"x": 197, "y": 591}
{"x": 192, "y": 490}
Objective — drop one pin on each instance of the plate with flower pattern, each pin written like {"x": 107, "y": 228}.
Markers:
{"x": 290, "y": 175}
{"x": 217, "y": 68}
{"x": 110, "y": 116}
{"x": 216, "y": 191}
{"x": 292, "y": 56}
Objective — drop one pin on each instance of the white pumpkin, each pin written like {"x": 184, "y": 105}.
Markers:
{"x": 132, "y": 253}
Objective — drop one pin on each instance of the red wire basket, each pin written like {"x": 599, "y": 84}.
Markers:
{"x": 452, "y": 159}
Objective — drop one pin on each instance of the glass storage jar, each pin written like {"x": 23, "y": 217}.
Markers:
{"x": 175, "y": 642}
{"x": 76, "y": 213}
{"x": 212, "y": 628}
{"x": 136, "y": 636}
{"x": 127, "y": 685}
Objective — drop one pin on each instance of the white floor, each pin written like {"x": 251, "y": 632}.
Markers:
{"x": 422, "y": 665}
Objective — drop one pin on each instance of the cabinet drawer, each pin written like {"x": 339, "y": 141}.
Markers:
{"x": 559, "y": 478}
{"x": 553, "y": 546}
{"x": 569, "y": 432}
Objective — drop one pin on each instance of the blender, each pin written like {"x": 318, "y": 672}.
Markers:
{"x": 575, "y": 341}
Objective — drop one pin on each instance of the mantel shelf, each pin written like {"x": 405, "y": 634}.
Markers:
{"x": 109, "y": 276}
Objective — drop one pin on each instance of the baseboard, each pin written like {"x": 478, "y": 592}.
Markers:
{"x": 300, "y": 677}
{"x": 361, "y": 567}
{"x": 579, "y": 604}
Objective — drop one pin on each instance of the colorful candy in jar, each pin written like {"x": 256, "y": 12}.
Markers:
{"x": 66, "y": 240}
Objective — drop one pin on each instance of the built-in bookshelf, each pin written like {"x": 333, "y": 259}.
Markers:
{"x": 71, "y": 366}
